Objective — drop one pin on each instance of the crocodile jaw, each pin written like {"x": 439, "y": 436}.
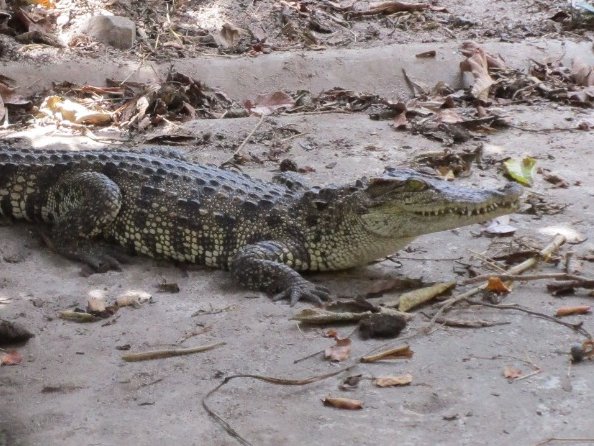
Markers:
{"x": 439, "y": 209}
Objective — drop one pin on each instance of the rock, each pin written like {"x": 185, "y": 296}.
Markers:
{"x": 116, "y": 31}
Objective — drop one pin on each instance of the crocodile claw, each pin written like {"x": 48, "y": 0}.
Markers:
{"x": 100, "y": 263}
{"x": 304, "y": 290}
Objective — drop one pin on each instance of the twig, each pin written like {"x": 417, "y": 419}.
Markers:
{"x": 289, "y": 138}
{"x": 543, "y": 130}
{"x": 565, "y": 440}
{"x": 545, "y": 253}
{"x": 281, "y": 381}
{"x": 271, "y": 380}
{"x": 133, "y": 72}
{"x": 423, "y": 259}
{"x": 461, "y": 323}
{"x": 245, "y": 141}
{"x": 575, "y": 327}
{"x": 318, "y": 112}
{"x": 160, "y": 354}
{"x": 527, "y": 277}
{"x": 487, "y": 260}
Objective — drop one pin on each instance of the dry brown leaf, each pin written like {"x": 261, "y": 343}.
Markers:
{"x": 393, "y": 381}
{"x": 400, "y": 352}
{"x": 401, "y": 121}
{"x": 343, "y": 403}
{"x": 585, "y": 96}
{"x": 446, "y": 173}
{"x": 331, "y": 333}
{"x": 496, "y": 285}
{"x": 265, "y": 104}
{"x": 493, "y": 62}
{"x": 571, "y": 310}
{"x": 478, "y": 66}
{"x": 426, "y": 54}
{"x": 582, "y": 74}
{"x": 7, "y": 92}
{"x": 449, "y": 116}
{"x": 511, "y": 373}
{"x": 11, "y": 358}
{"x": 340, "y": 351}
{"x": 391, "y": 7}
{"x": 552, "y": 178}
{"x": 231, "y": 33}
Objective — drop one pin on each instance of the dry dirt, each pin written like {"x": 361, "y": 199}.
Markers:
{"x": 73, "y": 388}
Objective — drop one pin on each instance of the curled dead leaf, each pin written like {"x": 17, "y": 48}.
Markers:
{"x": 582, "y": 74}
{"x": 331, "y": 333}
{"x": 11, "y": 358}
{"x": 400, "y": 352}
{"x": 426, "y": 54}
{"x": 511, "y": 373}
{"x": 572, "y": 310}
{"x": 393, "y": 381}
{"x": 340, "y": 351}
{"x": 477, "y": 65}
{"x": 493, "y": 62}
{"x": 265, "y": 104}
{"x": 231, "y": 33}
{"x": 343, "y": 403}
{"x": 496, "y": 285}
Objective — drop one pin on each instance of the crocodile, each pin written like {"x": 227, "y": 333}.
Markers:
{"x": 159, "y": 204}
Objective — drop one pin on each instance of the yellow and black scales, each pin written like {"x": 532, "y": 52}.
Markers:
{"x": 158, "y": 204}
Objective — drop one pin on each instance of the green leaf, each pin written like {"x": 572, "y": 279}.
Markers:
{"x": 522, "y": 170}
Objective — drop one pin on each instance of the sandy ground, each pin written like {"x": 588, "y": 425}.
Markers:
{"x": 73, "y": 388}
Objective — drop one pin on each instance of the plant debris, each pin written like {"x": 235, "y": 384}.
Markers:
{"x": 343, "y": 403}
{"x": 393, "y": 381}
{"x": 13, "y": 333}
{"x": 381, "y": 325}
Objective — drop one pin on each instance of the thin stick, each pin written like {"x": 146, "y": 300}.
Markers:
{"x": 576, "y": 327}
{"x": 527, "y": 277}
{"x": 545, "y": 253}
{"x": 271, "y": 380}
{"x": 244, "y": 142}
{"x": 247, "y": 138}
{"x": 160, "y": 354}
{"x": 565, "y": 440}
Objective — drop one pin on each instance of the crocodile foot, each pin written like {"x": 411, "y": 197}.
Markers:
{"x": 304, "y": 290}
{"x": 99, "y": 261}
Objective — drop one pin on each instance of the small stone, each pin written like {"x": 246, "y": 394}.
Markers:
{"x": 119, "y": 32}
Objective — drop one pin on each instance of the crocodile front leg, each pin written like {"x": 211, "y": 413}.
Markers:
{"x": 267, "y": 266}
{"x": 79, "y": 208}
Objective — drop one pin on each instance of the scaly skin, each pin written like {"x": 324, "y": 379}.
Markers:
{"x": 157, "y": 204}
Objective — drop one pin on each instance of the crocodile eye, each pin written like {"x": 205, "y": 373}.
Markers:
{"x": 416, "y": 185}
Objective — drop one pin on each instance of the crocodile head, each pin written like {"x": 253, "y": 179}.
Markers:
{"x": 404, "y": 203}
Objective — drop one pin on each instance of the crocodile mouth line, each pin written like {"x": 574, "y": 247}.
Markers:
{"x": 468, "y": 211}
